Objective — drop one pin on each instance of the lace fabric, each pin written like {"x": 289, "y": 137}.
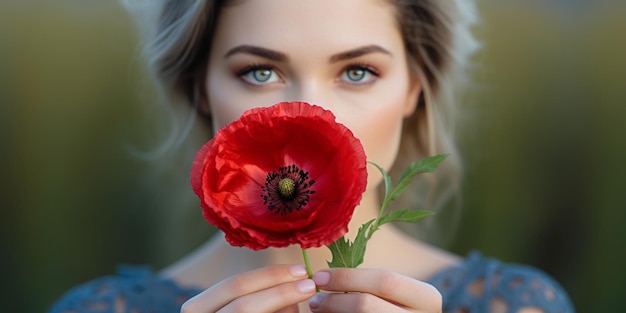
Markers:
{"x": 480, "y": 284}
{"x": 474, "y": 286}
{"x": 135, "y": 289}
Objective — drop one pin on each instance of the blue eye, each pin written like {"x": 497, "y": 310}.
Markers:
{"x": 358, "y": 74}
{"x": 355, "y": 74}
{"x": 259, "y": 75}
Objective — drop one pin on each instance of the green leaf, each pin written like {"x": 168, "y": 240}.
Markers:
{"x": 350, "y": 254}
{"x": 426, "y": 165}
{"x": 341, "y": 253}
{"x": 386, "y": 179}
{"x": 404, "y": 215}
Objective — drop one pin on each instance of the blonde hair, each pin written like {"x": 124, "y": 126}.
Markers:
{"x": 177, "y": 40}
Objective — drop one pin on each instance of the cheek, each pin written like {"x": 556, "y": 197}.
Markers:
{"x": 381, "y": 142}
{"x": 225, "y": 104}
{"x": 228, "y": 99}
{"x": 223, "y": 113}
{"x": 380, "y": 135}
{"x": 379, "y": 124}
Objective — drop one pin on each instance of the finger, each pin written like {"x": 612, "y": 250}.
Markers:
{"x": 272, "y": 299}
{"x": 289, "y": 309}
{"x": 387, "y": 285}
{"x": 353, "y": 303}
{"x": 227, "y": 290}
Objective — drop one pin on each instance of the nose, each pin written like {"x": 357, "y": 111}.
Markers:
{"x": 323, "y": 94}
{"x": 312, "y": 92}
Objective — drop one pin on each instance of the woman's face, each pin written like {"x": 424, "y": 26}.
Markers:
{"x": 346, "y": 56}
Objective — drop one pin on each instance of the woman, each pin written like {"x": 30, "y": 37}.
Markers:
{"x": 384, "y": 68}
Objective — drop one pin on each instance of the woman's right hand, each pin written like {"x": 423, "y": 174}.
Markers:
{"x": 268, "y": 289}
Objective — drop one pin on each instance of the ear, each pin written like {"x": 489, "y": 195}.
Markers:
{"x": 415, "y": 89}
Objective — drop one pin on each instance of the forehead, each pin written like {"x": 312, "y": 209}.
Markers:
{"x": 307, "y": 24}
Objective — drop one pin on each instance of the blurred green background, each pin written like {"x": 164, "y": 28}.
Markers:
{"x": 542, "y": 139}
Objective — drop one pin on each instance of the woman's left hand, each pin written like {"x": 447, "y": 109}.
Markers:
{"x": 372, "y": 290}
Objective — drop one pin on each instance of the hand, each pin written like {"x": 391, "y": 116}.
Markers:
{"x": 268, "y": 289}
{"x": 371, "y": 290}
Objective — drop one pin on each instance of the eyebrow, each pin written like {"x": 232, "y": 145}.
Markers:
{"x": 258, "y": 51}
{"x": 355, "y": 53}
{"x": 281, "y": 57}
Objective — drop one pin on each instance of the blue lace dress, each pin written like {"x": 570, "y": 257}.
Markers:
{"x": 474, "y": 286}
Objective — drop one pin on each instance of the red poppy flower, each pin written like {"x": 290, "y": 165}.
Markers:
{"x": 281, "y": 175}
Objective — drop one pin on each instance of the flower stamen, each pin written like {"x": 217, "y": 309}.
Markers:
{"x": 287, "y": 189}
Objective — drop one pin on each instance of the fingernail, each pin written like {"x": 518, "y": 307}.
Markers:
{"x": 306, "y": 286}
{"x": 315, "y": 301}
{"x": 298, "y": 270}
{"x": 321, "y": 278}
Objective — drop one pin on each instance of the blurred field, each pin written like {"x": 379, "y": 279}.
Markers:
{"x": 543, "y": 143}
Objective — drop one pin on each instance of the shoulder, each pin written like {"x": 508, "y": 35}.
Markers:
{"x": 481, "y": 284}
{"x": 133, "y": 289}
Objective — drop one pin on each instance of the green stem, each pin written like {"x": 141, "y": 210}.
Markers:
{"x": 307, "y": 264}
{"x": 381, "y": 212}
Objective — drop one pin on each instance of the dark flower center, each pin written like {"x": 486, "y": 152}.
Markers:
{"x": 287, "y": 189}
